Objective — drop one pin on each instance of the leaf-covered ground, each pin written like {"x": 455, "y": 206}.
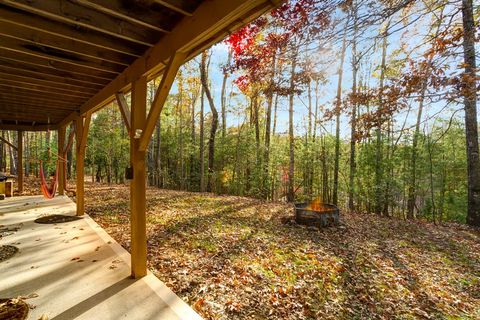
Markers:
{"x": 239, "y": 258}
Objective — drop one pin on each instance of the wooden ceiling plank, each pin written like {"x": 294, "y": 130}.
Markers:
{"x": 89, "y": 75}
{"x": 74, "y": 14}
{"x": 31, "y": 49}
{"x": 12, "y": 116}
{"x": 49, "y": 75}
{"x": 147, "y": 18}
{"x": 58, "y": 85}
{"x": 32, "y": 104}
{"x": 68, "y": 32}
{"x": 14, "y": 94}
{"x": 40, "y": 88}
{"x": 68, "y": 45}
{"x": 175, "y": 5}
{"x": 24, "y": 127}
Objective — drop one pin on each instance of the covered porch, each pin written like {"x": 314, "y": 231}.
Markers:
{"x": 75, "y": 270}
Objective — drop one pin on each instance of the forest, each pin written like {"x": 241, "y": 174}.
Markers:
{"x": 365, "y": 104}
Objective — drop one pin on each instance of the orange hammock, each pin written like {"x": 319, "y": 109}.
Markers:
{"x": 48, "y": 191}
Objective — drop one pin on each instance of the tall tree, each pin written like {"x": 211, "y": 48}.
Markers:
{"x": 214, "y": 126}
{"x": 338, "y": 103}
{"x": 471, "y": 124}
{"x": 353, "y": 134}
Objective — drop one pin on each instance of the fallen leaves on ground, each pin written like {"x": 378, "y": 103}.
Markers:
{"x": 240, "y": 258}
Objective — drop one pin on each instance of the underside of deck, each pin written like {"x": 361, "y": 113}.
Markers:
{"x": 75, "y": 270}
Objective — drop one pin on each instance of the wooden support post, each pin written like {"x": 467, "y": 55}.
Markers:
{"x": 61, "y": 163}
{"x": 81, "y": 124}
{"x": 14, "y": 147}
{"x": 138, "y": 184}
{"x": 20, "y": 161}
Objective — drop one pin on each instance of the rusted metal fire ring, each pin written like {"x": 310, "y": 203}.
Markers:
{"x": 329, "y": 215}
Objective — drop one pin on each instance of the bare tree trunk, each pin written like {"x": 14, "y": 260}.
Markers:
{"x": 213, "y": 129}
{"x": 268, "y": 123}
{"x": 471, "y": 124}
{"x": 338, "y": 102}
{"x": 256, "y": 122}
{"x": 275, "y": 108}
{"x": 412, "y": 188}
{"x": 355, "y": 64}
{"x": 291, "y": 137}
{"x": 378, "y": 152}
{"x": 158, "y": 154}
{"x": 202, "y": 142}
{"x": 223, "y": 97}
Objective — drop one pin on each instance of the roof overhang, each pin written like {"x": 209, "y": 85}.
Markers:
{"x": 64, "y": 59}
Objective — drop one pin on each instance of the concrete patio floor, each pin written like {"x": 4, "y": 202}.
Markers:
{"x": 75, "y": 270}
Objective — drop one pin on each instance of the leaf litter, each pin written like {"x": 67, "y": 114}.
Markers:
{"x": 240, "y": 258}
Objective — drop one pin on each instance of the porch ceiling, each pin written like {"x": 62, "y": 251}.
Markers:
{"x": 61, "y": 59}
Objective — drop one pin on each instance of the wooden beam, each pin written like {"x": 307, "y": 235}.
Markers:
{"x": 69, "y": 33}
{"x": 46, "y": 90}
{"x": 24, "y": 127}
{"x": 82, "y": 125}
{"x": 39, "y": 104}
{"x": 210, "y": 22}
{"x": 130, "y": 11}
{"x": 21, "y": 61}
{"x": 138, "y": 184}
{"x": 175, "y": 5}
{"x": 63, "y": 60}
{"x": 21, "y": 104}
{"x": 71, "y": 13}
{"x": 48, "y": 75}
{"x": 25, "y": 92}
{"x": 9, "y": 143}
{"x": 58, "y": 44}
{"x": 61, "y": 163}
{"x": 160, "y": 97}
{"x": 20, "y": 162}
{"x": 124, "y": 110}
{"x": 20, "y": 79}
{"x": 15, "y": 118}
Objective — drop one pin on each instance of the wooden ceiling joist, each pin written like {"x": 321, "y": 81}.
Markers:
{"x": 34, "y": 73}
{"x": 68, "y": 12}
{"x": 26, "y": 127}
{"x": 59, "y": 44}
{"x": 56, "y": 85}
{"x": 39, "y": 100}
{"x": 177, "y": 6}
{"x": 35, "y": 117}
{"x": 43, "y": 89}
{"x": 131, "y": 11}
{"x": 55, "y": 67}
{"x": 69, "y": 33}
{"x": 62, "y": 58}
{"x": 36, "y": 110}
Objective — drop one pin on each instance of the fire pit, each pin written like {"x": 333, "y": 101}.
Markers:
{"x": 316, "y": 214}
